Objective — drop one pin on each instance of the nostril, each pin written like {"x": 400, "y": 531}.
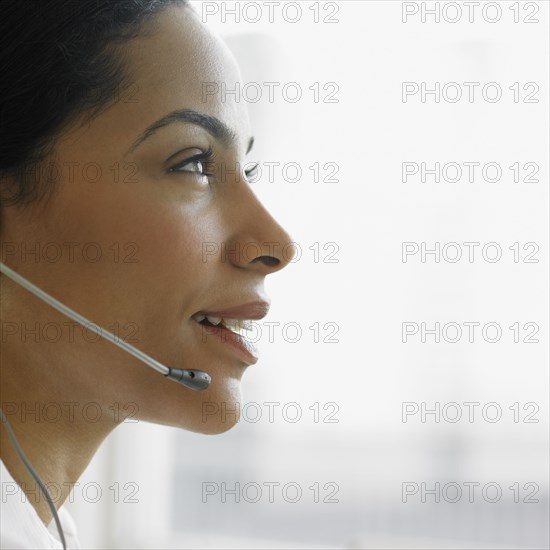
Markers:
{"x": 270, "y": 261}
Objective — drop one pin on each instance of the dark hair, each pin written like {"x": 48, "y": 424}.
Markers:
{"x": 58, "y": 61}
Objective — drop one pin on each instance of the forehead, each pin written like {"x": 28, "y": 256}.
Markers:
{"x": 174, "y": 66}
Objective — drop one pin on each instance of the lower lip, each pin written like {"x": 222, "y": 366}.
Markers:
{"x": 245, "y": 350}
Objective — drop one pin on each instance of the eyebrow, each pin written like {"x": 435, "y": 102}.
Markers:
{"x": 214, "y": 126}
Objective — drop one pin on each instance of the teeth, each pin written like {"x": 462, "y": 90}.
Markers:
{"x": 236, "y": 325}
{"x": 214, "y": 320}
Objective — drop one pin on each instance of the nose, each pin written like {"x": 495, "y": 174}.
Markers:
{"x": 258, "y": 242}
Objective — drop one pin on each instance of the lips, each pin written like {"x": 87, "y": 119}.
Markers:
{"x": 250, "y": 311}
{"x": 229, "y": 325}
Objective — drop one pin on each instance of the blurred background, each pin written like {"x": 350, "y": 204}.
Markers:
{"x": 332, "y": 413}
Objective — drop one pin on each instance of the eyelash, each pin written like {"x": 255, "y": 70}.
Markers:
{"x": 251, "y": 171}
{"x": 207, "y": 158}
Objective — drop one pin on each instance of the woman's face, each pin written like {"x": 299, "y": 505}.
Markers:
{"x": 172, "y": 241}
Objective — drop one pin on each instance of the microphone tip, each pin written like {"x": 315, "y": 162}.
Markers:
{"x": 193, "y": 379}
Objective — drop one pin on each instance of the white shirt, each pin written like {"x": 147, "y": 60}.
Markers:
{"x": 20, "y": 525}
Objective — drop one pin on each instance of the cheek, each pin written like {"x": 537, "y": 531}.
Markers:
{"x": 152, "y": 240}
{"x": 151, "y": 230}
{"x": 174, "y": 245}
{"x": 169, "y": 244}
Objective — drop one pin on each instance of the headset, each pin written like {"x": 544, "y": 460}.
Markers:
{"x": 193, "y": 379}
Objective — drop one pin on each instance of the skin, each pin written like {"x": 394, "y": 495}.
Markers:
{"x": 167, "y": 217}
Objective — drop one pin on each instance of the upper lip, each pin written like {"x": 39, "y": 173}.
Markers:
{"x": 249, "y": 311}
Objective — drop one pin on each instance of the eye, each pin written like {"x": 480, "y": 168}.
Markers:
{"x": 252, "y": 173}
{"x": 200, "y": 163}
{"x": 189, "y": 166}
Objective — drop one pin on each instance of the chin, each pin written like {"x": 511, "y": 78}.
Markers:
{"x": 218, "y": 428}
{"x": 220, "y": 409}
{"x": 213, "y": 411}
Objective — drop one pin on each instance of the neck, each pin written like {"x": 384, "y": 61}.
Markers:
{"x": 58, "y": 431}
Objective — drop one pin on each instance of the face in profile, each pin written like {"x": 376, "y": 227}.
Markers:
{"x": 160, "y": 233}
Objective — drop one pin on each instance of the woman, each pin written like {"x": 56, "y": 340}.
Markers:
{"x": 125, "y": 196}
